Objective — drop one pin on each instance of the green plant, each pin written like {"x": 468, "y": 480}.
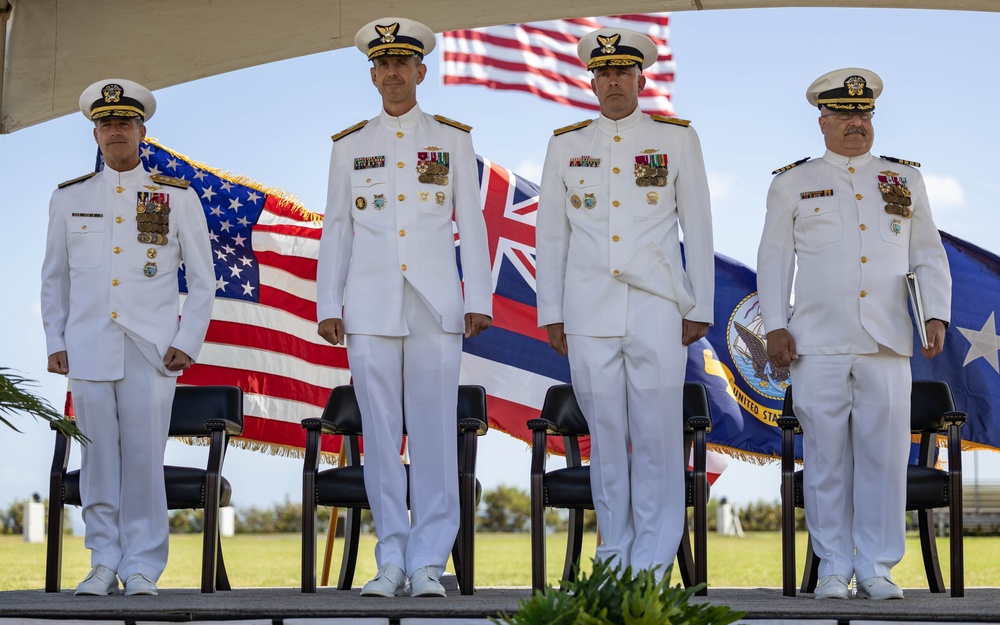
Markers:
{"x": 612, "y": 596}
{"x": 14, "y": 398}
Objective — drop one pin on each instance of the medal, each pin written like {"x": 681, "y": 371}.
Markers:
{"x": 652, "y": 198}
{"x": 424, "y": 195}
{"x": 589, "y": 201}
{"x": 896, "y": 227}
{"x": 149, "y": 270}
{"x": 360, "y": 203}
{"x": 439, "y": 198}
{"x": 574, "y": 201}
{"x": 379, "y": 202}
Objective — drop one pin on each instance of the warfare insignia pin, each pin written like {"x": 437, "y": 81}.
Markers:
{"x": 149, "y": 270}
{"x": 896, "y": 227}
{"x": 423, "y": 196}
{"x": 589, "y": 201}
{"x": 439, "y": 198}
{"x": 652, "y": 198}
{"x": 378, "y": 203}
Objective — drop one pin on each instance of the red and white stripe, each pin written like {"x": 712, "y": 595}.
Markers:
{"x": 540, "y": 58}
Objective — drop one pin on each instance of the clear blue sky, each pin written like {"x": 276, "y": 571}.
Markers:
{"x": 741, "y": 76}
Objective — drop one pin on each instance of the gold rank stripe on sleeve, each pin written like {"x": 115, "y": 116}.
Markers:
{"x": 170, "y": 181}
{"x": 663, "y": 119}
{"x": 572, "y": 127}
{"x": 346, "y": 131}
{"x": 787, "y": 167}
{"x": 453, "y": 123}
{"x": 901, "y": 161}
{"x": 63, "y": 185}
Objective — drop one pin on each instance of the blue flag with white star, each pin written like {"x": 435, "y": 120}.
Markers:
{"x": 969, "y": 361}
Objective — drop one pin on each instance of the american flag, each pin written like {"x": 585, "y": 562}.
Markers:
{"x": 540, "y": 58}
{"x": 262, "y": 336}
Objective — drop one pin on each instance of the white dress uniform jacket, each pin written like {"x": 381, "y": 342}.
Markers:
{"x": 850, "y": 296}
{"x": 95, "y": 287}
{"x": 612, "y": 233}
{"x": 382, "y": 226}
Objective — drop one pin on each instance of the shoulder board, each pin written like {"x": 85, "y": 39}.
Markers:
{"x": 663, "y": 119}
{"x": 453, "y": 123}
{"x": 170, "y": 181}
{"x": 787, "y": 167}
{"x": 63, "y": 185}
{"x": 346, "y": 131}
{"x": 572, "y": 127}
{"x": 901, "y": 161}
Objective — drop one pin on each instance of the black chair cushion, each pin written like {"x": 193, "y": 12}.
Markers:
{"x": 925, "y": 488}
{"x": 570, "y": 488}
{"x": 185, "y": 488}
{"x": 346, "y": 487}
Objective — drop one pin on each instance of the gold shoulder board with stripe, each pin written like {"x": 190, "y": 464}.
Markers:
{"x": 663, "y": 119}
{"x": 63, "y": 185}
{"x": 170, "y": 181}
{"x": 453, "y": 123}
{"x": 901, "y": 161}
{"x": 787, "y": 167}
{"x": 346, "y": 131}
{"x": 572, "y": 127}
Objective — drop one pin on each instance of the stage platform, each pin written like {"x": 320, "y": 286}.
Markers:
{"x": 289, "y": 606}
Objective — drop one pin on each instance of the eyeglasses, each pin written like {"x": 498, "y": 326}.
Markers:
{"x": 848, "y": 115}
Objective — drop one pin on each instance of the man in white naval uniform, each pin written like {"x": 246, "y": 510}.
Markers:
{"x": 855, "y": 224}
{"x": 615, "y": 295}
{"x": 388, "y": 280}
{"x": 110, "y": 306}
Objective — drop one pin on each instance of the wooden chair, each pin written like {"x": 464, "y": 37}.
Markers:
{"x": 344, "y": 486}
{"x": 569, "y": 488}
{"x": 932, "y": 412}
{"x": 213, "y": 412}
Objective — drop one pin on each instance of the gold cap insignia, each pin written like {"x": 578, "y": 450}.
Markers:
{"x": 112, "y": 93}
{"x": 608, "y": 43}
{"x": 855, "y": 85}
{"x": 387, "y": 33}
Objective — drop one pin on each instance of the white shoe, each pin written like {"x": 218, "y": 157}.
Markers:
{"x": 139, "y": 584}
{"x": 879, "y": 588}
{"x": 99, "y": 582}
{"x": 389, "y": 582}
{"x": 424, "y": 583}
{"x": 833, "y": 587}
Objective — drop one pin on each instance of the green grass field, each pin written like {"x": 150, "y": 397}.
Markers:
{"x": 272, "y": 560}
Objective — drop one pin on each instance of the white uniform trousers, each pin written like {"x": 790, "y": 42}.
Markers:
{"x": 855, "y": 416}
{"x": 631, "y": 391}
{"x": 121, "y": 477}
{"x": 429, "y": 359}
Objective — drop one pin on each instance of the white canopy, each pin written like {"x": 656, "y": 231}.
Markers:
{"x": 50, "y": 50}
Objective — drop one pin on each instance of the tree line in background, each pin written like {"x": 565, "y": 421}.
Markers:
{"x": 503, "y": 509}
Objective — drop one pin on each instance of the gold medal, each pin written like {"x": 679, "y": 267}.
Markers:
{"x": 652, "y": 198}
{"x": 151, "y": 253}
{"x": 574, "y": 201}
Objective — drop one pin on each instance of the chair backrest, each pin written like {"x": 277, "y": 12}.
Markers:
{"x": 195, "y": 406}
{"x": 342, "y": 409}
{"x": 560, "y": 407}
{"x": 696, "y": 404}
{"x": 929, "y": 400}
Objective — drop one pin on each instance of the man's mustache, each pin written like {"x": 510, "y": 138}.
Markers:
{"x": 855, "y": 129}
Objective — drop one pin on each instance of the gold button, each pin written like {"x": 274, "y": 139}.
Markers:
{"x": 857, "y": 196}
{"x": 616, "y": 203}
{"x": 617, "y": 139}
{"x": 368, "y": 179}
{"x": 403, "y": 267}
{"x": 616, "y": 170}
{"x": 399, "y": 164}
{"x": 850, "y": 169}
{"x": 616, "y": 238}
{"x": 400, "y": 197}
{"x": 399, "y": 133}
{"x": 118, "y": 219}
{"x": 114, "y": 282}
{"x": 816, "y": 210}
{"x": 581, "y": 182}
{"x": 864, "y": 259}
{"x": 615, "y": 272}
{"x": 402, "y": 233}
{"x": 864, "y": 293}
{"x": 118, "y": 250}
{"x": 114, "y": 315}
{"x": 863, "y": 227}
{"x": 85, "y": 227}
